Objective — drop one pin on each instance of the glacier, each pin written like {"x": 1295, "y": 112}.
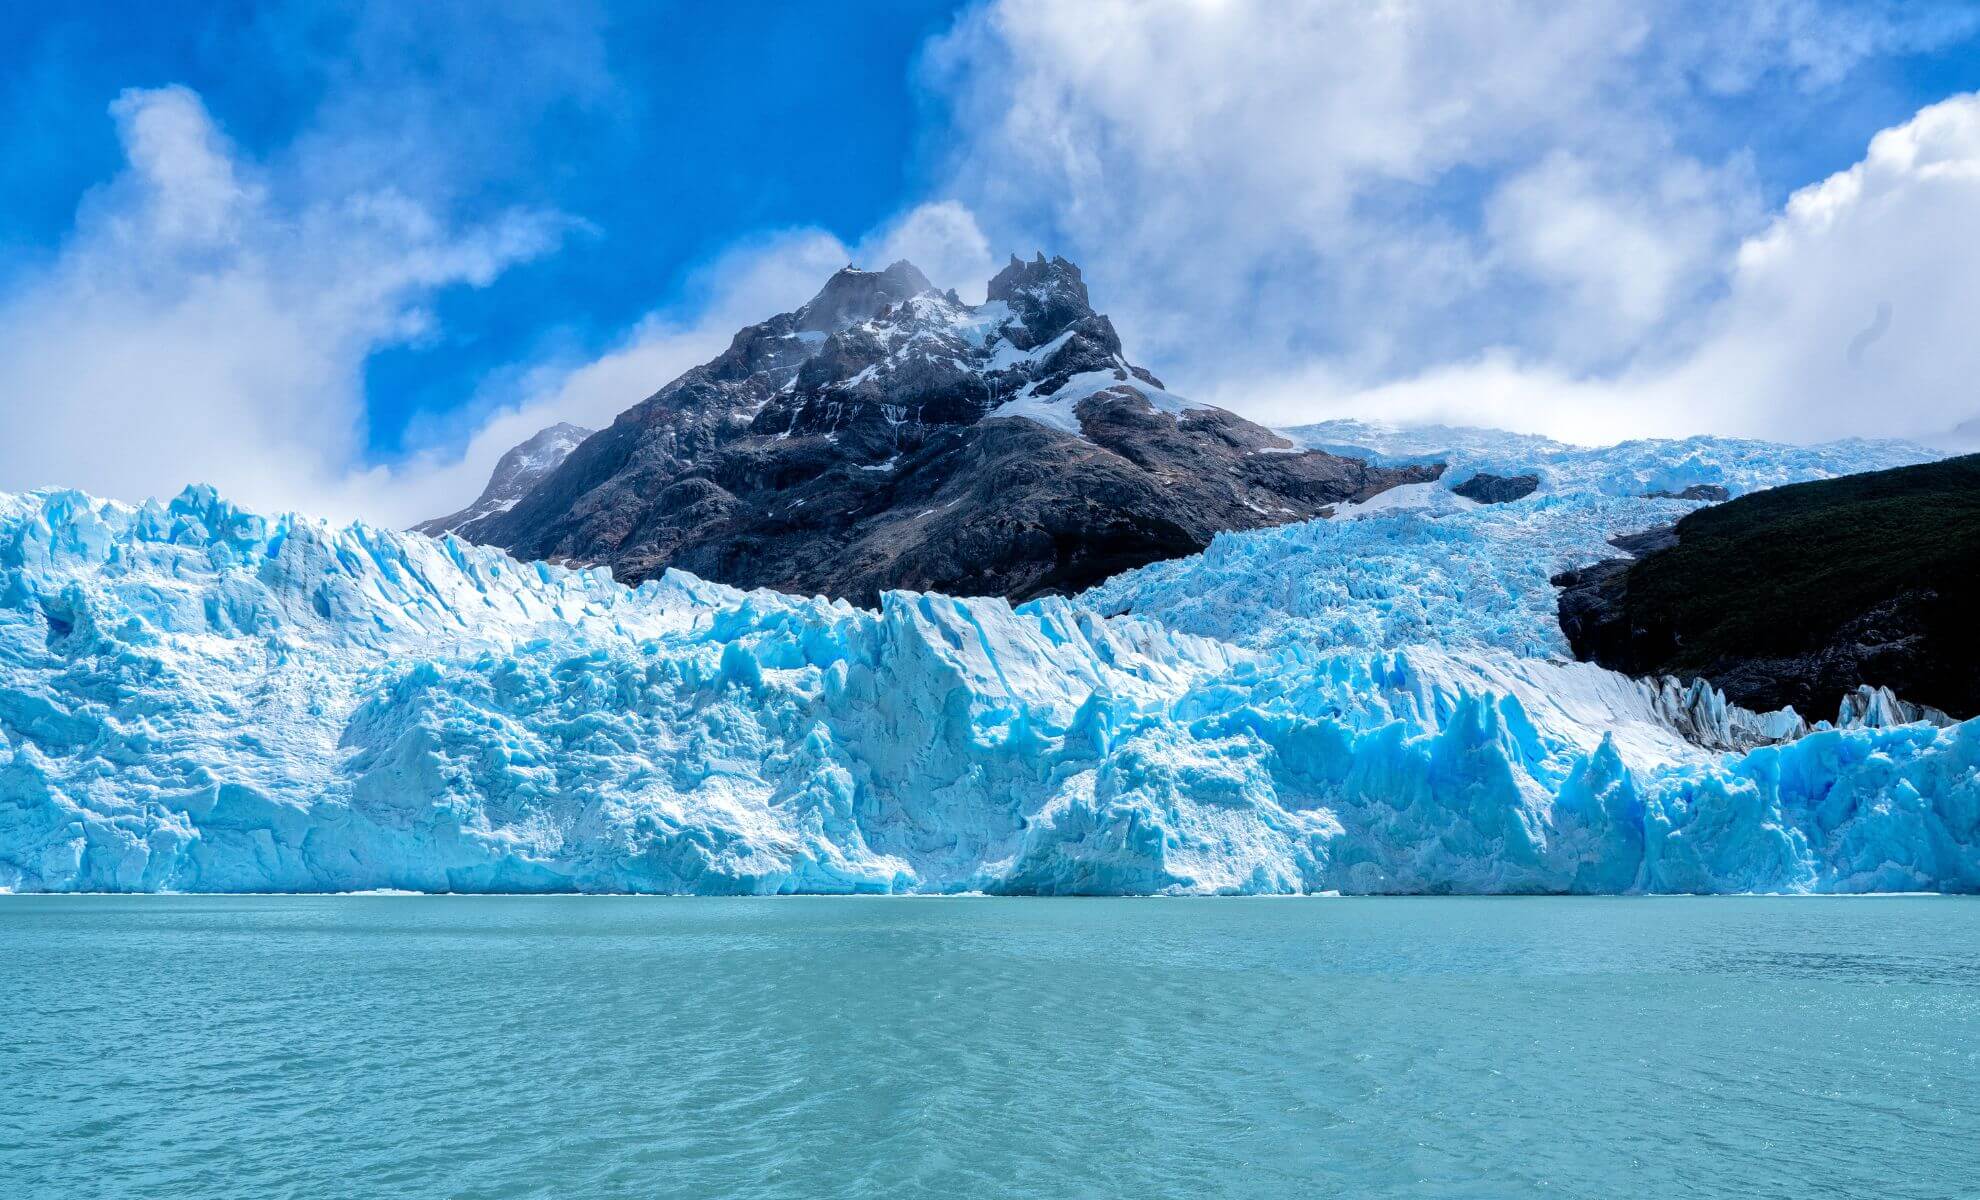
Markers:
{"x": 1419, "y": 563}
{"x": 195, "y": 698}
{"x": 1630, "y": 468}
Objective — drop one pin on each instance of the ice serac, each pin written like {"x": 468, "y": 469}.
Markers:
{"x": 886, "y": 435}
{"x": 198, "y": 698}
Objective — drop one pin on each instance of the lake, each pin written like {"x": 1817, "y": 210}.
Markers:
{"x": 384, "y": 1046}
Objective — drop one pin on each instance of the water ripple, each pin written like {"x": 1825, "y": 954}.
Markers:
{"x": 485, "y": 1048}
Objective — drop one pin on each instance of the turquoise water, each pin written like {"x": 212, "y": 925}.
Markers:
{"x": 419, "y": 1047}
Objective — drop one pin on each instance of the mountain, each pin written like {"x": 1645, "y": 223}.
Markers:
{"x": 1963, "y": 437}
{"x": 1799, "y": 595}
{"x": 887, "y": 435}
{"x": 516, "y": 472}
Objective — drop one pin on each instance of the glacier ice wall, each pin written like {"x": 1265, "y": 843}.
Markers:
{"x": 197, "y": 698}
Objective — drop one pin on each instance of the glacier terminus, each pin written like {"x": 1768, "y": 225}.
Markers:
{"x": 196, "y": 698}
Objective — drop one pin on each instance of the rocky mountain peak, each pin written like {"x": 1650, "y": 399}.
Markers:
{"x": 1047, "y": 295}
{"x": 550, "y": 442}
{"x": 888, "y": 435}
{"x": 854, "y": 295}
{"x": 516, "y": 472}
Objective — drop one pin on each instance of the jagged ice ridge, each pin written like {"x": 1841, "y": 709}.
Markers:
{"x": 197, "y": 698}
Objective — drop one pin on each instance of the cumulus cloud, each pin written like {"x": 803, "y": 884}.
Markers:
{"x": 193, "y": 328}
{"x": 1847, "y": 314}
{"x": 1481, "y": 212}
{"x": 1852, "y": 311}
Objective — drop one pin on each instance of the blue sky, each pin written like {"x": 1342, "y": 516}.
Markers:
{"x": 669, "y": 130}
{"x": 339, "y": 255}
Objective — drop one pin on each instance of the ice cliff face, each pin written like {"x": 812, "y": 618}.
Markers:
{"x": 198, "y": 698}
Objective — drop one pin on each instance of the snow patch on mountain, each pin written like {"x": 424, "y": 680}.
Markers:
{"x": 516, "y": 472}
{"x": 1059, "y": 408}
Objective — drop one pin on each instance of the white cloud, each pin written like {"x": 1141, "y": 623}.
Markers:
{"x": 943, "y": 239}
{"x": 1852, "y": 313}
{"x": 1616, "y": 258}
{"x": 1815, "y": 43}
{"x": 1849, "y": 314}
{"x": 1472, "y": 211}
{"x": 192, "y": 328}
{"x": 189, "y": 194}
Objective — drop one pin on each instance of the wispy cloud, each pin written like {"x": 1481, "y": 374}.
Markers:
{"x": 194, "y": 327}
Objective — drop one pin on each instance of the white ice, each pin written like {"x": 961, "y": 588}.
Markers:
{"x": 194, "y": 697}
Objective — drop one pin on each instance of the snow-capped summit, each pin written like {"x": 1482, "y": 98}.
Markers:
{"x": 853, "y": 294}
{"x": 1046, "y": 296}
{"x": 887, "y": 435}
{"x": 517, "y": 471}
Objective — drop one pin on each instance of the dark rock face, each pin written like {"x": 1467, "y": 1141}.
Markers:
{"x": 1716, "y": 493}
{"x": 516, "y": 472}
{"x": 1594, "y": 615}
{"x": 886, "y": 435}
{"x": 1497, "y": 489}
{"x": 1802, "y": 595}
{"x": 1893, "y": 644}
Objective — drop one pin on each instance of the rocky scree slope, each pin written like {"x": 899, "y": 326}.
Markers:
{"x": 887, "y": 435}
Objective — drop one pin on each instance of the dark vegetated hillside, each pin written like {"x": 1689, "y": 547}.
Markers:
{"x": 1796, "y": 594}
